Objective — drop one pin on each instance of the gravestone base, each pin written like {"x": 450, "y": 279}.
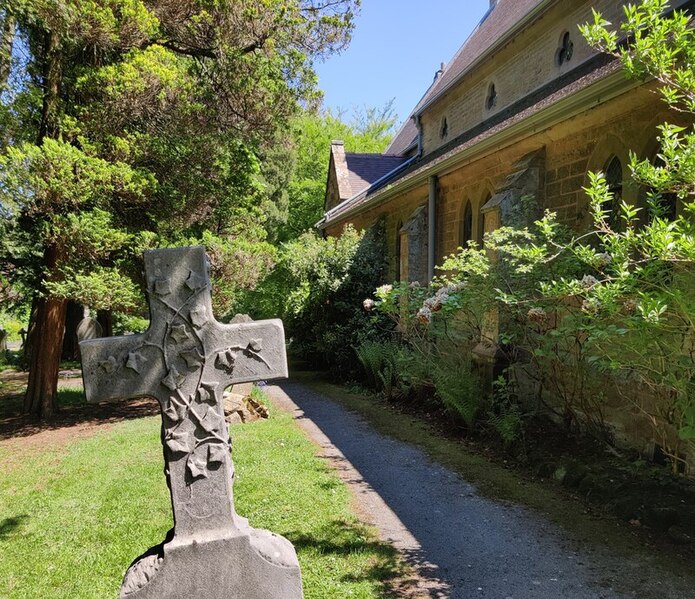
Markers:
{"x": 251, "y": 564}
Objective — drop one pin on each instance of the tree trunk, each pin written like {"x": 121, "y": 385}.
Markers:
{"x": 52, "y": 70}
{"x": 7, "y": 33}
{"x": 105, "y": 319}
{"x": 73, "y": 316}
{"x": 46, "y": 337}
{"x": 40, "y": 399}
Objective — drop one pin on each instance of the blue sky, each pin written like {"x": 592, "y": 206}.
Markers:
{"x": 396, "y": 49}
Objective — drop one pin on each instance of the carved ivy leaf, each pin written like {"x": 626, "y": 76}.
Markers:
{"x": 225, "y": 360}
{"x": 217, "y": 454}
{"x": 211, "y": 422}
{"x": 135, "y": 361}
{"x": 197, "y": 465}
{"x": 199, "y": 316}
{"x": 179, "y": 333}
{"x": 175, "y": 412}
{"x": 253, "y": 350}
{"x": 179, "y": 442}
{"x": 195, "y": 281}
{"x": 110, "y": 365}
{"x": 173, "y": 379}
{"x": 193, "y": 357}
{"x": 206, "y": 393}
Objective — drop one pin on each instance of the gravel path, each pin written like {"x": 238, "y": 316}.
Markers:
{"x": 462, "y": 544}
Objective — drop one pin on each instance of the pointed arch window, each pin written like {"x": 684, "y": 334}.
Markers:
{"x": 466, "y": 232}
{"x": 481, "y": 220}
{"x": 491, "y": 100}
{"x": 566, "y": 49}
{"x": 614, "y": 180}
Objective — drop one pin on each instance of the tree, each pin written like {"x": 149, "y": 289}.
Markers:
{"x": 370, "y": 130}
{"x": 135, "y": 116}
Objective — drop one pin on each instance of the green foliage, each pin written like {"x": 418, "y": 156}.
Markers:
{"x": 662, "y": 47}
{"x": 369, "y": 130}
{"x": 458, "y": 388}
{"x": 378, "y": 358}
{"x": 505, "y": 415}
{"x": 317, "y": 288}
{"x": 150, "y": 119}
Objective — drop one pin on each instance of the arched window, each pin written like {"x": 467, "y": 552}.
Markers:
{"x": 491, "y": 100}
{"x": 444, "y": 129}
{"x": 399, "y": 226}
{"x": 566, "y": 49}
{"x": 466, "y": 232}
{"x": 614, "y": 180}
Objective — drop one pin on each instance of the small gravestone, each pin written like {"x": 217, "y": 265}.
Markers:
{"x": 185, "y": 360}
{"x": 88, "y": 328}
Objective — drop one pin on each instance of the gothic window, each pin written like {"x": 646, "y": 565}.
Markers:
{"x": 614, "y": 180}
{"x": 566, "y": 49}
{"x": 444, "y": 128}
{"x": 466, "y": 233}
{"x": 491, "y": 100}
{"x": 398, "y": 250}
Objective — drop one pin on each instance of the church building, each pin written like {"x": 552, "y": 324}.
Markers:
{"x": 524, "y": 108}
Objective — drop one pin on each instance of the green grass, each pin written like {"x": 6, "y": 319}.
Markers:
{"x": 73, "y": 518}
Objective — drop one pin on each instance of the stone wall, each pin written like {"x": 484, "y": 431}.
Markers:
{"x": 523, "y": 65}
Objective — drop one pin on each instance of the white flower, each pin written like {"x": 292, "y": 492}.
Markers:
{"x": 368, "y": 304}
{"x": 604, "y": 259}
{"x": 588, "y": 281}
{"x": 424, "y": 315}
{"x": 414, "y": 285}
{"x": 629, "y": 306}
{"x": 384, "y": 289}
{"x": 591, "y": 305}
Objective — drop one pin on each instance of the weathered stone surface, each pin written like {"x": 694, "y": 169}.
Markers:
{"x": 185, "y": 360}
{"x": 88, "y": 328}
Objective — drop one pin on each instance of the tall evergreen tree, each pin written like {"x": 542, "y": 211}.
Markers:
{"x": 136, "y": 121}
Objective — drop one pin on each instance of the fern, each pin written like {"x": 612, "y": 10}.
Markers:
{"x": 459, "y": 390}
{"x": 378, "y": 361}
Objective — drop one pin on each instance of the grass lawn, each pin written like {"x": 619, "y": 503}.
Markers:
{"x": 74, "y": 515}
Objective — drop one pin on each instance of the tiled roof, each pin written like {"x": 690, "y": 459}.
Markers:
{"x": 366, "y": 169}
{"x": 404, "y": 139}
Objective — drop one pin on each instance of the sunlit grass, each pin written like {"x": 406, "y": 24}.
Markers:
{"x": 72, "y": 519}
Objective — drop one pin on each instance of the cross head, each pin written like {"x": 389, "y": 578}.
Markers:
{"x": 185, "y": 360}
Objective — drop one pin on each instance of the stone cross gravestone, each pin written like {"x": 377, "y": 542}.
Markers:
{"x": 185, "y": 360}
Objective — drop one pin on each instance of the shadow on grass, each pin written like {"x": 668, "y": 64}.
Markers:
{"x": 73, "y": 411}
{"x": 343, "y": 539}
{"x": 9, "y": 525}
